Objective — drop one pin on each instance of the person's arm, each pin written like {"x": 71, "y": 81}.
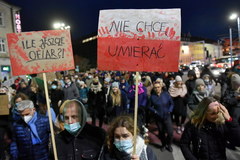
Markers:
{"x": 186, "y": 141}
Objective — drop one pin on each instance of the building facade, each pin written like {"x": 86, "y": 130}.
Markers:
{"x": 199, "y": 51}
{"x": 10, "y": 22}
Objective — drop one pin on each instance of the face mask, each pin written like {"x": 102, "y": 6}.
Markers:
{"x": 27, "y": 118}
{"x": 54, "y": 87}
{"x": 206, "y": 80}
{"x": 138, "y": 83}
{"x": 124, "y": 145}
{"x": 72, "y": 128}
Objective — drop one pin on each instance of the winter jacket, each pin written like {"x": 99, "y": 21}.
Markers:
{"x": 86, "y": 144}
{"x": 232, "y": 104}
{"x": 142, "y": 98}
{"x": 162, "y": 105}
{"x": 22, "y": 148}
{"x": 56, "y": 96}
{"x": 190, "y": 84}
{"x": 71, "y": 92}
{"x": 208, "y": 142}
{"x": 113, "y": 111}
{"x": 179, "y": 98}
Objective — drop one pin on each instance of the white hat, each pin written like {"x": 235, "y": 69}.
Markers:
{"x": 115, "y": 84}
{"x": 178, "y": 79}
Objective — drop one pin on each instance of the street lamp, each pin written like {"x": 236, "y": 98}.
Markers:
{"x": 235, "y": 16}
{"x": 230, "y": 34}
{"x": 61, "y": 26}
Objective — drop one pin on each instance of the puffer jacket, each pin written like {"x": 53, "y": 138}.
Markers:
{"x": 208, "y": 142}
{"x": 22, "y": 148}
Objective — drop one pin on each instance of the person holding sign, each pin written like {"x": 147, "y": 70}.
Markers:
{"x": 79, "y": 140}
{"x": 161, "y": 104}
{"x": 119, "y": 143}
{"x": 30, "y": 134}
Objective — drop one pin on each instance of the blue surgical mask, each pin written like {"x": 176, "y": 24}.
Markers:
{"x": 54, "y": 87}
{"x": 206, "y": 80}
{"x": 124, "y": 145}
{"x": 72, "y": 128}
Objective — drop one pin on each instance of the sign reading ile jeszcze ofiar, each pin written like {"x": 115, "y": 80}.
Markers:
{"x": 139, "y": 40}
{"x": 41, "y": 51}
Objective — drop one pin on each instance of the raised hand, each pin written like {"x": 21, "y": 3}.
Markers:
{"x": 224, "y": 111}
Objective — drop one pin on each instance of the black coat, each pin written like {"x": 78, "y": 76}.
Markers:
{"x": 113, "y": 111}
{"x": 96, "y": 102}
{"x": 87, "y": 144}
{"x": 56, "y": 96}
{"x": 208, "y": 142}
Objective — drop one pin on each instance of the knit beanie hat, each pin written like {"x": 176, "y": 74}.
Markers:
{"x": 115, "y": 84}
{"x": 235, "y": 81}
{"x": 199, "y": 81}
{"x": 178, "y": 79}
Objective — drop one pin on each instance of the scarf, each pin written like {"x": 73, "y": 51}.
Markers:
{"x": 174, "y": 91}
{"x": 34, "y": 133}
{"x": 67, "y": 84}
{"x": 140, "y": 88}
{"x": 96, "y": 88}
{"x": 141, "y": 149}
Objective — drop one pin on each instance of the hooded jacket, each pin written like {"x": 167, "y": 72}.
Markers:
{"x": 86, "y": 144}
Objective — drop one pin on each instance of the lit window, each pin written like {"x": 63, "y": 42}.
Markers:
{"x": 2, "y": 46}
{"x": 1, "y": 19}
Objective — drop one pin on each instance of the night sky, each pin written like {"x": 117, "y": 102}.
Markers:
{"x": 204, "y": 18}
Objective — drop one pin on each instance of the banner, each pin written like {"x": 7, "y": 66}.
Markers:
{"x": 42, "y": 51}
{"x": 139, "y": 40}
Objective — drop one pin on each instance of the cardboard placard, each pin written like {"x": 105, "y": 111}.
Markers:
{"x": 41, "y": 51}
{"x": 4, "y": 110}
{"x": 139, "y": 40}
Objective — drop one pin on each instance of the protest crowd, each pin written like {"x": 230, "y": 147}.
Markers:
{"x": 83, "y": 103}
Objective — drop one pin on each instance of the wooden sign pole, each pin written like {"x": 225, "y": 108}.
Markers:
{"x": 50, "y": 117}
{"x": 135, "y": 114}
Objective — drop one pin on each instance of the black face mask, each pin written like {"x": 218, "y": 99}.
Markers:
{"x": 95, "y": 83}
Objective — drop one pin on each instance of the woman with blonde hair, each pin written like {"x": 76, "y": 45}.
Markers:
{"x": 208, "y": 131}
{"x": 117, "y": 102}
{"x": 119, "y": 142}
